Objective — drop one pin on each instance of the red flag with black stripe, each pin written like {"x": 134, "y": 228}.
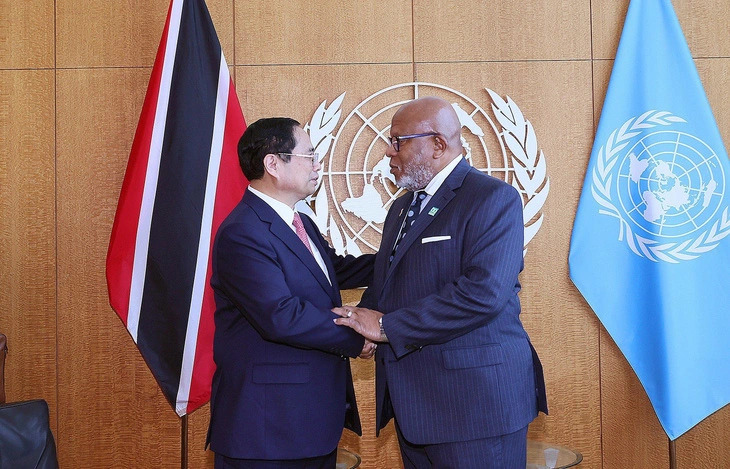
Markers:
{"x": 182, "y": 180}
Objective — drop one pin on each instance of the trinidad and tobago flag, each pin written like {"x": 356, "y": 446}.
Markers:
{"x": 182, "y": 180}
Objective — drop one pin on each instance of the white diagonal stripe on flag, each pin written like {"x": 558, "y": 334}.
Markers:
{"x": 201, "y": 269}
{"x": 153, "y": 168}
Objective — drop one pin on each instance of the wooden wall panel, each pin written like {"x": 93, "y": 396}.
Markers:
{"x": 97, "y": 33}
{"x": 223, "y": 16}
{"x": 27, "y": 234}
{"x": 326, "y": 31}
{"x": 607, "y": 17}
{"x": 601, "y": 76}
{"x": 198, "y": 457}
{"x": 704, "y": 25}
{"x": 715, "y": 76}
{"x": 706, "y": 444}
{"x": 556, "y": 98}
{"x": 26, "y": 34}
{"x": 102, "y": 33}
{"x": 111, "y": 411}
{"x": 511, "y": 30}
{"x": 296, "y": 91}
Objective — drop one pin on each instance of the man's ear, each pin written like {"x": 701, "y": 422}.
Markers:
{"x": 271, "y": 164}
{"x": 439, "y": 146}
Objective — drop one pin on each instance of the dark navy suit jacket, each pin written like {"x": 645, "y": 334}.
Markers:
{"x": 282, "y": 388}
{"x": 459, "y": 365}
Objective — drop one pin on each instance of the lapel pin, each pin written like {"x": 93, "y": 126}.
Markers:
{"x": 433, "y": 211}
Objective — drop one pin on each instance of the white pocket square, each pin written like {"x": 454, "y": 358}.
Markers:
{"x": 434, "y": 239}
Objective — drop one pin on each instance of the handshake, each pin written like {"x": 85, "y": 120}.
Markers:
{"x": 365, "y": 322}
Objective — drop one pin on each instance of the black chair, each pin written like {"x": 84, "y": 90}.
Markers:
{"x": 26, "y": 440}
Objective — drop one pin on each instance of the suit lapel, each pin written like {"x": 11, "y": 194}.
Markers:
{"x": 438, "y": 202}
{"x": 288, "y": 237}
{"x": 316, "y": 237}
{"x": 390, "y": 233}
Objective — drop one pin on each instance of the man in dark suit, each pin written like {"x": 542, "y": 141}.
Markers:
{"x": 458, "y": 372}
{"x": 282, "y": 390}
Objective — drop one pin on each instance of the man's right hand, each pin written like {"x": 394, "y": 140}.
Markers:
{"x": 364, "y": 321}
{"x": 368, "y": 349}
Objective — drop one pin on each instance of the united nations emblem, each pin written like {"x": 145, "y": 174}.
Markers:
{"x": 356, "y": 187}
{"x": 666, "y": 188}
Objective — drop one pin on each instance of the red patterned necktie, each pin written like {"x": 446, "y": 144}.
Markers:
{"x": 301, "y": 232}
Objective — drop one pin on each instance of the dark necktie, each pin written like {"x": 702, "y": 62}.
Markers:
{"x": 413, "y": 211}
{"x": 301, "y": 232}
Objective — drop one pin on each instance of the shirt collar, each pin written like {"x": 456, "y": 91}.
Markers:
{"x": 441, "y": 176}
{"x": 283, "y": 210}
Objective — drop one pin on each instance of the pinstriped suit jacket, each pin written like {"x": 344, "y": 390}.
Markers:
{"x": 459, "y": 365}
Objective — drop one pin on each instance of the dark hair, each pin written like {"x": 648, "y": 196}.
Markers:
{"x": 269, "y": 135}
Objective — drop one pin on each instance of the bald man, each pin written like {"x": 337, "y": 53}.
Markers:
{"x": 455, "y": 367}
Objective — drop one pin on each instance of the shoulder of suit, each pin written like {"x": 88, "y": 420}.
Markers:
{"x": 477, "y": 181}
{"x": 476, "y": 177}
{"x": 242, "y": 213}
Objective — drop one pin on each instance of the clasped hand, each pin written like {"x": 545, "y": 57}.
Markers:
{"x": 364, "y": 321}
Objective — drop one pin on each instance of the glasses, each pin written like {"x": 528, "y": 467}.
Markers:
{"x": 314, "y": 157}
{"x": 396, "y": 141}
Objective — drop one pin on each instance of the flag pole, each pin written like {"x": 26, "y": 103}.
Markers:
{"x": 672, "y": 454}
{"x": 184, "y": 442}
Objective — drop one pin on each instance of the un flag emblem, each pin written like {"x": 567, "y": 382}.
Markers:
{"x": 670, "y": 184}
{"x": 666, "y": 187}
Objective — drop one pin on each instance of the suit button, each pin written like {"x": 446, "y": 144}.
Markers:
{"x": 382, "y": 361}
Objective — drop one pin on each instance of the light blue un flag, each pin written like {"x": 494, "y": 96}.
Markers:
{"x": 650, "y": 250}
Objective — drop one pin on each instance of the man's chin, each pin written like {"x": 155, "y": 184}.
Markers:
{"x": 407, "y": 184}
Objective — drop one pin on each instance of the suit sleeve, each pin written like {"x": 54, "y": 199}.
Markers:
{"x": 353, "y": 272}
{"x": 487, "y": 285}
{"x": 251, "y": 275}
